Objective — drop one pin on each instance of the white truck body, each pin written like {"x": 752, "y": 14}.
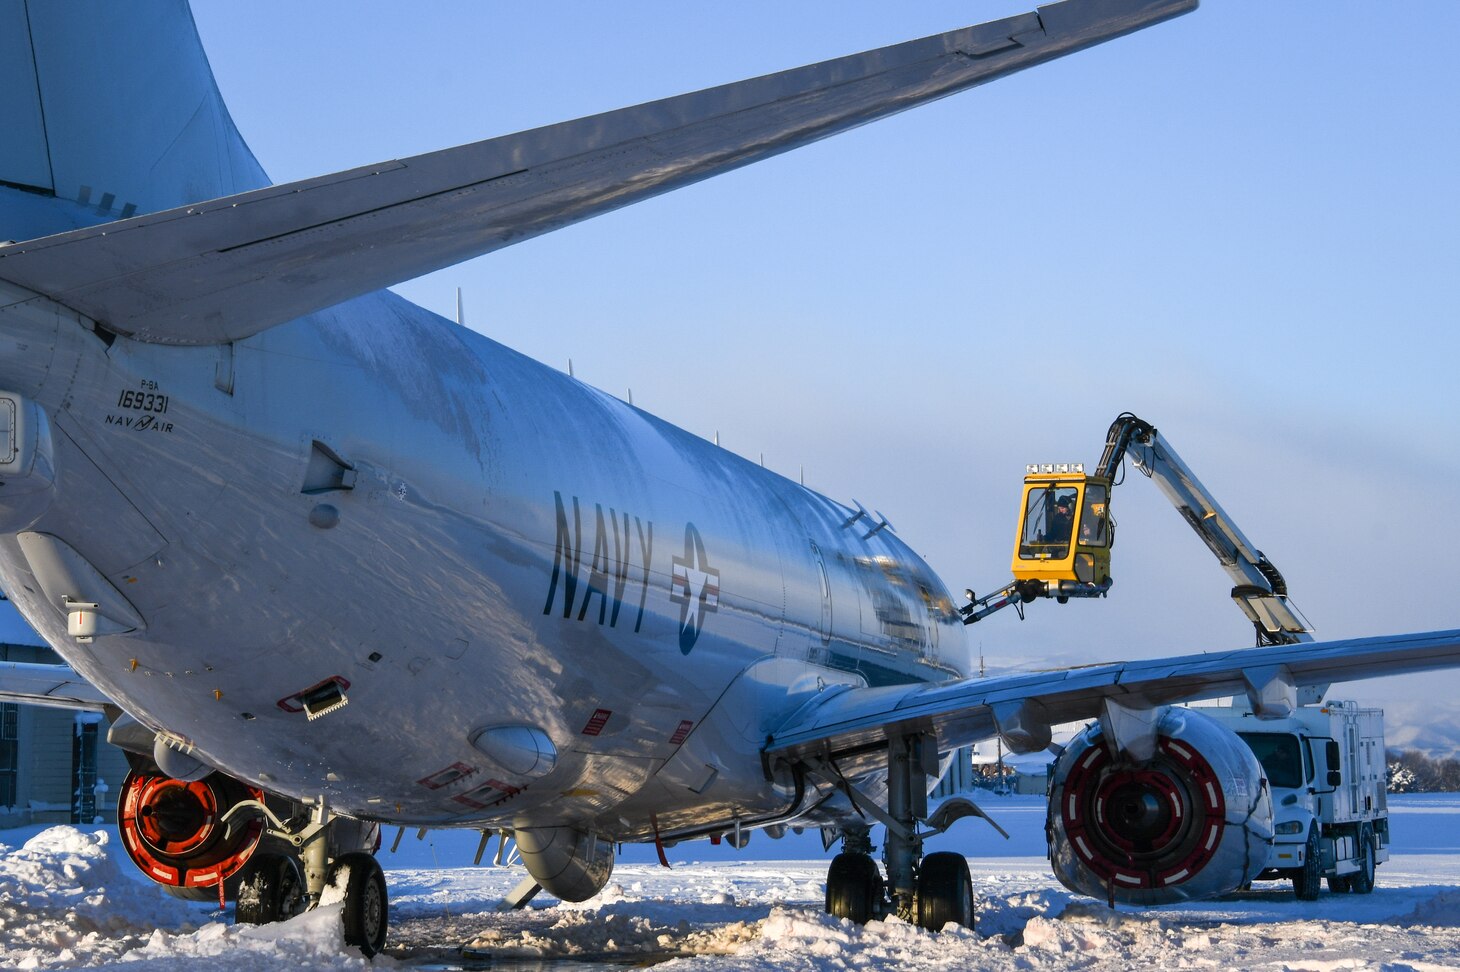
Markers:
{"x": 1326, "y": 769}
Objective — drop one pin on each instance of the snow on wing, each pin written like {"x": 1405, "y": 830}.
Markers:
{"x": 964, "y": 711}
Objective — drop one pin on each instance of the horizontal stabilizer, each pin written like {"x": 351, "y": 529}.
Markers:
{"x": 219, "y": 271}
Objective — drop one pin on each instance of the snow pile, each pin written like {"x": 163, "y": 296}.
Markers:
{"x": 1006, "y": 915}
{"x": 1056, "y": 937}
{"x": 1443, "y": 910}
{"x": 70, "y": 899}
{"x": 621, "y": 928}
{"x": 66, "y": 902}
{"x": 810, "y": 939}
{"x": 312, "y": 940}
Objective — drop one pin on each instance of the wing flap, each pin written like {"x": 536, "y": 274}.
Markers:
{"x": 964, "y": 711}
{"x": 222, "y": 270}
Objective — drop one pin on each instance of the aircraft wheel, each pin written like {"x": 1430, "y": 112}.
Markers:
{"x": 945, "y": 891}
{"x": 1308, "y": 878}
{"x": 853, "y": 888}
{"x": 367, "y": 912}
{"x": 271, "y": 888}
{"x": 1363, "y": 878}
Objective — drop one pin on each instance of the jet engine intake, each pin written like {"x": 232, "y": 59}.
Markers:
{"x": 1193, "y": 821}
{"x": 173, "y": 831}
{"x": 570, "y": 864}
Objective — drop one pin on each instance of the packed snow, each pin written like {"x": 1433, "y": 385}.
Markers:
{"x": 70, "y": 899}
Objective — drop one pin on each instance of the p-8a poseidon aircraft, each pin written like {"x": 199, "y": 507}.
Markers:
{"x": 329, "y": 561}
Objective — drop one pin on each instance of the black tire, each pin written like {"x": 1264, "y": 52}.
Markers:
{"x": 945, "y": 891}
{"x": 1362, "y": 880}
{"x": 270, "y": 888}
{"x": 853, "y": 888}
{"x": 1340, "y": 884}
{"x": 1309, "y": 878}
{"x": 366, "y": 917}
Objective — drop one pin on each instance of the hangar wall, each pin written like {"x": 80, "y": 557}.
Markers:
{"x": 55, "y": 765}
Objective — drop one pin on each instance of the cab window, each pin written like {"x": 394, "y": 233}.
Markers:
{"x": 1095, "y": 518}
{"x": 1280, "y": 756}
{"x": 1049, "y": 515}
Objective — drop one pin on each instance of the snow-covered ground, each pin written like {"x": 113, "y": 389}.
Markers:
{"x": 69, "y": 899}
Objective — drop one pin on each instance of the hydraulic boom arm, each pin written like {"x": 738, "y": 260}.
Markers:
{"x": 1065, "y": 534}
{"x": 1258, "y": 588}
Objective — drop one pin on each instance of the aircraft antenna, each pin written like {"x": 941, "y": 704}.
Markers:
{"x": 460, "y": 314}
{"x": 570, "y": 368}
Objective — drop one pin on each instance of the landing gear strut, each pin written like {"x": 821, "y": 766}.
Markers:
{"x": 929, "y": 891}
{"x": 329, "y": 866}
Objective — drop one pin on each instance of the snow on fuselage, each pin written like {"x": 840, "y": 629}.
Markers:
{"x": 458, "y": 538}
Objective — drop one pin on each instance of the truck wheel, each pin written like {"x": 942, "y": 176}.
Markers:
{"x": 1362, "y": 880}
{"x": 1340, "y": 885}
{"x": 1309, "y": 878}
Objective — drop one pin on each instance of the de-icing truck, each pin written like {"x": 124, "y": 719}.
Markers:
{"x": 1325, "y": 765}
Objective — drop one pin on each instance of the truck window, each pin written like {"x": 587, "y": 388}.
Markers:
{"x": 1279, "y": 755}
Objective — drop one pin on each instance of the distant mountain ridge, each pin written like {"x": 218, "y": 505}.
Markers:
{"x": 1432, "y": 728}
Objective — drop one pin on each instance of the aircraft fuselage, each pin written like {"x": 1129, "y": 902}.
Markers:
{"x": 458, "y": 538}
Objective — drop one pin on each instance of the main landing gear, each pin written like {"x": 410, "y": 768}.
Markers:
{"x": 329, "y": 864}
{"x": 931, "y": 890}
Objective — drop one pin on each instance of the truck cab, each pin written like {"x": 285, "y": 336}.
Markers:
{"x": 1325, "y": 767}
{"x": 1065, "y": 531}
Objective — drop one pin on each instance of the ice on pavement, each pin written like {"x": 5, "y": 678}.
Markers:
{"x": 70, "y": 899}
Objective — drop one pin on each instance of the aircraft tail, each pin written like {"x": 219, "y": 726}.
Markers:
{"x": 110, "y": 110}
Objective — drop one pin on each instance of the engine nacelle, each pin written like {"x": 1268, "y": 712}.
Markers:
{"x": 570, "y": 864}
{"x": 1194, "y": 821}
{"x": 173, "y": 831}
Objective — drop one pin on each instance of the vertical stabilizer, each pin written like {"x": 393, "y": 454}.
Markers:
{"x": 112, "y": 107}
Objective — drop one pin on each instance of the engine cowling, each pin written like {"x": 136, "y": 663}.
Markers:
{"x": 1194, "y": 821}
{"x": 173, "y": 831}
{"x": 570, "y": 864}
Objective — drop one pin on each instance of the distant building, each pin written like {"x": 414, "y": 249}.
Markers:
{"x": 978, "y": 768}
{"x": 959, "y": 777}
{"x": 55, "y": 764}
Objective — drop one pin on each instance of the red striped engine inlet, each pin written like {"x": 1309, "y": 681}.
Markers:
{"x": 173, "y": 831}
{"x": 1190, "y": 822}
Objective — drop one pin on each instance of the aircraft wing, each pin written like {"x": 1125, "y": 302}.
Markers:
{"x": 221, "y": 270}
{"x": 858, "y": 722}
{"x": 57, "y": 686}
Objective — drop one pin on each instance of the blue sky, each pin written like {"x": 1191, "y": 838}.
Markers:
{"x": 1241, "y": 225}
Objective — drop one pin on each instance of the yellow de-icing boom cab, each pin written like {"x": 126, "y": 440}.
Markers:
{"x": 1065, "y": 529}
{"x": 1062, "y": 549}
